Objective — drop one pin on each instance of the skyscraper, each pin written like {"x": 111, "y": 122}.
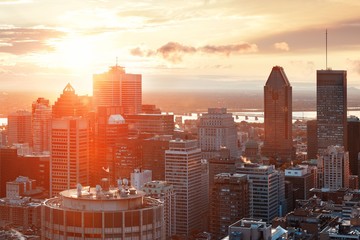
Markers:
{"x": 311, "y": 135}
{"x": 302, "y": 180}
{"x": 353, "y": 136}
{"x": 69, "y": 153}
{"x": 153, "y": 153}
{"x": 68, "y": 104}
{"x": 183, "y": 171}
{"x": 331, "y": 107}
{"x": 117, "y": 88}
{"x": 41, "y": 124}
{"x": 217, "y": 130}
{"x": 111, "y": 129}
{"x": 266, "y": 191}
{"x": 335, "y": 163}
{"x": 156, "y": 124}
{"x": 278, "y": 116}
{"x": 19, "y": 127}
{"x": 229, "y": 202}
{"x": 165, "y": 192}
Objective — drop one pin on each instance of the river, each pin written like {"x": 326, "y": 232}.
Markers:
{"x": 253, "y": 116}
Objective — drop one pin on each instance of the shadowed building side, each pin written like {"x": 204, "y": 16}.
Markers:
{"x": 331, "y": 107}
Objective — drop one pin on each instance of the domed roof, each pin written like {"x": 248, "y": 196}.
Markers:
{"x": 116, "y": 119}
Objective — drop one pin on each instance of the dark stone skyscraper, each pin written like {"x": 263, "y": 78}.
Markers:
{"x": 331, "y": 106}
{"x": 278, "y": 116}
{"x": 353, "y": 141}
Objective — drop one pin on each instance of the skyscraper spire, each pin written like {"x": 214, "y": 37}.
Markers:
{"x": 326, "y": 49}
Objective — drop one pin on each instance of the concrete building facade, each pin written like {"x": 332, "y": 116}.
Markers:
{"x": 96, "y": 213}
{"x": 69, "y": 162}
{"x": 183, "y": 169}
{"x": 266, "y": 191}
{"x": 217, "y": 130}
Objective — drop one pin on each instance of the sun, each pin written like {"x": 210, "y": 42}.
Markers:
{"x": 75, "y": 53}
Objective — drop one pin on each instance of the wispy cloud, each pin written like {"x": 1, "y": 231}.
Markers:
{"x": 174, "y": 51}
{"x": 283, "y": 46}
{"x": 25, "y": 40}
{"x": 14, "y": 1}
{"x": 355, "y": 64}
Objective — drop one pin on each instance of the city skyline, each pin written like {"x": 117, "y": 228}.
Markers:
{"x": 225, "y": 45}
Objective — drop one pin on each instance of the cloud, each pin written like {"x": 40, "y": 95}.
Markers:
{"x": 174, "y": 51}
{"x": 14, "y": 1}
{"x": 282, "y": 46}
{"x": 25, "y": 40}
{"x": 229, "y": 49}
{"x": 355, "y": 65}
{"x": 342, "y": 35}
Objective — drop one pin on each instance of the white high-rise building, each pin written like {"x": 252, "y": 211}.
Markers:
{"x": 335, "y": 168}
{"x": 164, "y": 191}
{"x": 183, "y": 169}
{"x": 139, "y": 177}
{"x": 41, "y": 125}
{"x": 266, "y": 191}
{"x": 217, "y": 130}
{"x": 69, "y": 163}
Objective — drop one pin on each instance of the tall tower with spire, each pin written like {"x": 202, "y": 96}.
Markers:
{"x": 278, "y": 116}
{"x": 331, "y": 108}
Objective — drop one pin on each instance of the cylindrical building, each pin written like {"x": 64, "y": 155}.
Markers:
{"x": 93, "y": 213}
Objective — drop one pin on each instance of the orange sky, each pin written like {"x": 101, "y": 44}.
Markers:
{"x": 45, "y": 44}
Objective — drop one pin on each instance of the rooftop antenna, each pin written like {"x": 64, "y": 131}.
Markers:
{"x": 326, "y": 49}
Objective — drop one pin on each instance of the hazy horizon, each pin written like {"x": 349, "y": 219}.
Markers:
{"x": 198, "y": 44}
{"x": 304, "y": 99}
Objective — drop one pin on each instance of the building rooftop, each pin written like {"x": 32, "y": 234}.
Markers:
{"x": 98, "y": 200}
{"x": 97, "y": 193}
{"x": 250, "y": 223}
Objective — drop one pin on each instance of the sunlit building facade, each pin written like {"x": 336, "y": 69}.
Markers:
{"x": 69, "y": 163}
{"x": 69, "y": 104}
{"x": 41, "y": 125}
{"x": 156, "y": 124}
{"x": 278, "y": 116}
{"x": 19, "y": 127}
{"x": 117, "y": 88}
{"x": 111, "y": 130}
